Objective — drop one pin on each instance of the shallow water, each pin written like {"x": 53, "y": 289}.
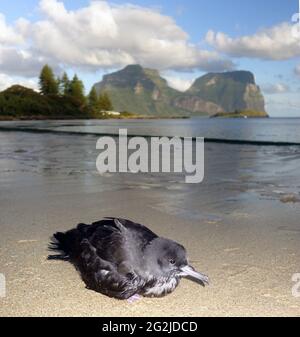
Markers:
{"x": 261, "y": 130}
{"x": 230, "y": 170}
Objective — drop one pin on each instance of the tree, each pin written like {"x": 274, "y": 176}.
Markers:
{"x": 59, "y": 84}
{"x": 65, "y": 84}
{"x": 48, "y": 84}
{"x": 104, "y": 102}
{"x": 93, "y": 100}
{"x": 77, "y": 89}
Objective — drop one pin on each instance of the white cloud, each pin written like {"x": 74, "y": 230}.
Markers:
{"x": 8, "y": 34}
{"x": 7, "y": 81}
{"x": 98, "y": 36}
{"x": 102, "y": 35}
{"x": 178, "y": 83}
{"x": 276, "y": 43}
{"x": 20, "y": 62}
{"x": 17, "y": 55}
{"x": 278, "y": 88}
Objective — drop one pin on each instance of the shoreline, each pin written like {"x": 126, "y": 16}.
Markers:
{"x": 207, "y": 140}
{"x": 55, "y": 118}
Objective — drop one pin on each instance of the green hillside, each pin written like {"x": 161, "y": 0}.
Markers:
{"x": 231, "y": 91}
{"x": 140, "y": 91}
{"x": 143, "y": 91}
{"x": 18, "y": 102}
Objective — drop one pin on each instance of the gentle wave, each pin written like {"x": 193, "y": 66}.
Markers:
{"x": 99, "y": 134}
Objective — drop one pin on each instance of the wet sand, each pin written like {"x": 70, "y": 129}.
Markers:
{"x": 235, "y": 226}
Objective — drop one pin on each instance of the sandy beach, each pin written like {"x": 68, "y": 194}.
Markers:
{"x": 240, "y": 226}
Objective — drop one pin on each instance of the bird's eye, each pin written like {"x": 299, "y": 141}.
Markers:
{"x": 172, "y": 261}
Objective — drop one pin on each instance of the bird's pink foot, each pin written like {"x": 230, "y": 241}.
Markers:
{"x": 134, "y": 299}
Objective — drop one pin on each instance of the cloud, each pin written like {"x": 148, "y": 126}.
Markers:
{"x": 284, "y": 105}
{"x": 7, "y": 81}
{"x": 102, "y": 35}
{"x": 297, "y": 70}
{"x": 178, "y": 83}
{"x": 17, "y": 55}
{"x": 8, "y": 34}
{"x": 279, "y": 42}
{"x": 20, "y": 62}
{"x": 278, "y": 88}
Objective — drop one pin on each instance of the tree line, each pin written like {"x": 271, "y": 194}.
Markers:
{"x": 73, "y": 88}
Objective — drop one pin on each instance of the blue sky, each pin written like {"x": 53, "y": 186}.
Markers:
{"x": 253, "y": 35}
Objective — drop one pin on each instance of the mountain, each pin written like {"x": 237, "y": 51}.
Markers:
{"x": 140, "y": 91}
{"x": 224, "y": 92}
{"x": 143, "y": 91}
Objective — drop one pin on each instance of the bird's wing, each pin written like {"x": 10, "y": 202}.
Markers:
{"x": 112, "y": 256}
{"x": 141, "y": 233}
{"x": 119, "y": 240}
{"x": 104, "y": 276}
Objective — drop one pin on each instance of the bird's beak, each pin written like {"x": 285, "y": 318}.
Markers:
{"x": 190, "y": 271}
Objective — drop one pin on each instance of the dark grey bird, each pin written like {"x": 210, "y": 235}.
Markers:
{"x": 121, "y": 258}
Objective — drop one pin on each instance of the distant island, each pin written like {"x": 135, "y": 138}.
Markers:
{"x": 241, "y": 114}
{"x": 134, "y": 92}
{"x": 143, "y": 91}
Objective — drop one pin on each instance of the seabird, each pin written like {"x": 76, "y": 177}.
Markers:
{"x": 122, "y": 259}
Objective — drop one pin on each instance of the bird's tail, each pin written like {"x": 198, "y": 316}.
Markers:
{"x": 66, "y": 244}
